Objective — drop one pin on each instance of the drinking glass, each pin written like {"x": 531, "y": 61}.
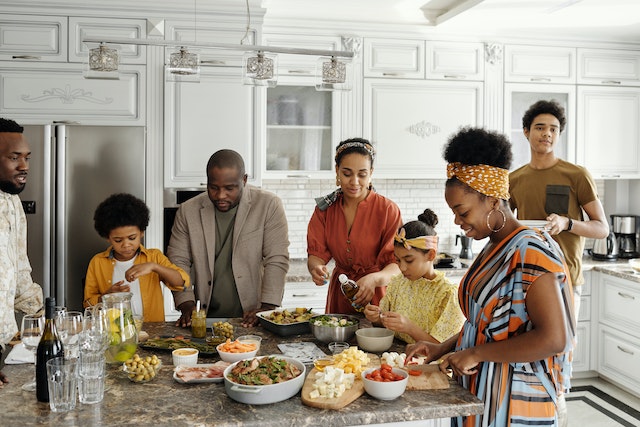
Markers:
{"x": 31, "y": 332}
{"x": 69, "y": 326}
{"x": 62, "y": 381}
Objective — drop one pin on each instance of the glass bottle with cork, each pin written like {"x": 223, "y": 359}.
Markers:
{"x": 198, "y": 322}
{"x": 349, "y": 289}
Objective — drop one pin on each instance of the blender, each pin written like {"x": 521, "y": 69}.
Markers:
{"x": 624, "y": 228}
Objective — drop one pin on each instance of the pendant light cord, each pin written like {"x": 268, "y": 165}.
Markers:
{"x": 246, "y": 32}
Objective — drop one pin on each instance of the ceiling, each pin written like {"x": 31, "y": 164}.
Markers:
{"x": 588, "y": 20}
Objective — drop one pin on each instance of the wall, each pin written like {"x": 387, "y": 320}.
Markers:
{"x": 412, "y": 196}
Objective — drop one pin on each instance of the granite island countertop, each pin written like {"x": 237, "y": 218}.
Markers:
{"x": 163, "y": 401}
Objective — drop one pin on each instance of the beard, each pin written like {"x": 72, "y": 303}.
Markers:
{"x": 11, "y": 187}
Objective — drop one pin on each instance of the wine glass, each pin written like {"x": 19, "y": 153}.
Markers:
{"x": 31, "y": 332}
{"x": 69, "y": 326}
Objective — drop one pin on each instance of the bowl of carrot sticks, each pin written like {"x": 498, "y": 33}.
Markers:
{"x": 233, "y": 351}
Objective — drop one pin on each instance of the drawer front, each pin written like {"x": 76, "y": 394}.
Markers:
{"x": 608, "y": 67}
{"x": 394, "y": 58}
{"x": 303, "y": 294}
{"x": 33, "y": 38}
{"x": 535, "y": 64}
{"x": 619, "y": 357}
{"x": 455, "y": 61}
{"x": 620, "y": 304}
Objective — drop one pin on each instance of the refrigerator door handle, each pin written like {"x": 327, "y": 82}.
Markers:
{"x": 60, "y": 203}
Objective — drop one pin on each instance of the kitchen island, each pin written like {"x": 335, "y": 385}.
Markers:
{"x": 163, "y": 401}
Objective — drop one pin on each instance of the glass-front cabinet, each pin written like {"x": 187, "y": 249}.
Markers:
{"x": 302, "y": 129}
{"x": 518, "y": 99}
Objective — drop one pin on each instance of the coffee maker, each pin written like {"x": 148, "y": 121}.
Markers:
{"x": 624, "y": 227}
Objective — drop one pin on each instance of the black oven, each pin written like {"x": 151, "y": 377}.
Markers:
{"x": 172, "y": 199}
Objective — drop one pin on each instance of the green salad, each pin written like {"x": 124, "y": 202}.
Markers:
{"x": 333, "y": 321}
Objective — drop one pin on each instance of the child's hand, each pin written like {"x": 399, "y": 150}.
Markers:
{"x": 372, "y": 313}
{"x": 396, "y": 322}
{"x": 119, "y": 287}
{"x": 138, "y": 270}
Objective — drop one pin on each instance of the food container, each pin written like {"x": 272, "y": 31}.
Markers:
{"x": 374, "y": 340}
{"x": 327, "y": 333}
{"x": 234, "y": 357}
{"x": 265, "y": 394}
{"x": 142, "y": 370}
{"x": 253, "y": 339}
{"x": 282, "y": 329}
{"x": 385, "y": 390}
{"x": 185, "y": 356}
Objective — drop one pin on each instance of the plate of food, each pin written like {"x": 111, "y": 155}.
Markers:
{"x": 164, "y": 343}
{"x": 201, "y": 373}
{"x": 286, "y": 321}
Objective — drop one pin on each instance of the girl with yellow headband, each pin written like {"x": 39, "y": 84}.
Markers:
{"x": 421, "y": 303}
{"x": 514, "y": 349}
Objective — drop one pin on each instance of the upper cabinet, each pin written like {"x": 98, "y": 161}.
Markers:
{"x": 609, "y": 131}
{"x": 41, "y": 72}
{"x": 300, "y": 65}
{"x": 609, "y": 67}
{"x": 394, "y": 58}
{"x": 540, "y": 64}
{"x": 409, "y": 121}
{"x": 455, "y": 61}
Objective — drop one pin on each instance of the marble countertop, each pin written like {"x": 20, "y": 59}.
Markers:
{"x": 163, "y": 401}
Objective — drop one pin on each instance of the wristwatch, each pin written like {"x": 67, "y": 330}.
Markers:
{"x": 570, "y": 226}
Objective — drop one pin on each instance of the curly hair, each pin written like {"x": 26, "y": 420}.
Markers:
{"x": 424, "y": 226}
{"x": 355, "y": 148}
{"x": 7, "y": 125}
{"x": 120, "y": 210}
{"x": 544, "y": 107}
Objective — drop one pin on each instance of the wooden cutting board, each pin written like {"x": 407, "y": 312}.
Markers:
{"x": 431, "y": 378}
{"x": 347, "y": 397}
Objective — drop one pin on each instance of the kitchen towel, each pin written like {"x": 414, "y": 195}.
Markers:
{"x": 19, "y": 354}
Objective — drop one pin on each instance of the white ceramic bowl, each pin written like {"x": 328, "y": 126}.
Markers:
{"x": 234, "y": 357}
{"x": 375, "y": 340}
{"x": 635, "y": 264}
{"x": 185, "y": 356}
{"x": 385, "y": 390}
{"x": 254, "y": 339}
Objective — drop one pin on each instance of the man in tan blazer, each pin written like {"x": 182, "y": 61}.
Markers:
{"x": 234, "y": 241}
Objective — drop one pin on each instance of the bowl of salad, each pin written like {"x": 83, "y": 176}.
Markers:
{"x": 334, "y": 327}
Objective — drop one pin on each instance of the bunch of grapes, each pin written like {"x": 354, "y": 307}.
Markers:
{"x": 223, "y": 329}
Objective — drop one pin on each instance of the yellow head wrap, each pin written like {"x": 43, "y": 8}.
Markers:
{"x": 420, "y": 242}
{"x": 488, "y": 180}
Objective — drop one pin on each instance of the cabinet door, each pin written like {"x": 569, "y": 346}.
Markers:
{"x": 79, "y": 28}
{"x": 300, "y": 65}
{"x": 609, "y": 131}
{"x": 202, "y": 118}
{"x": 540, "y": 64}
{"x": 620, "y": 304}
{"x": 518, "y": 97}
{"x": 455, "y": 61}
{"x": 33, "y": 38}
{"x": 305, "y": 294}
{"x": 53, "y": 91}
{"x": 394, "y": 58}
{"x": 409, "y": 122}
{"x": 619, "y": 357}
{"x": 608, "y": 67}
{"x": 581, "y": 359}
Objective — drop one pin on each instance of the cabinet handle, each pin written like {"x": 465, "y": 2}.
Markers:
{"x": 611, "y": 82}
{"x": 627, "y": 296}
{"x": 454, "y": 76}
{"x": 610, "y": 175}
{"x": 213, "y": 62}
{"x": 305, "y": 295}
{"x": 26, "y": 57}
{"x": 624, "y": 350}
{"x": 540, "y": 79}
{"x": 298, "y": 176}
{"x": 393, "y": 74}
{"x": 299, "y": 72}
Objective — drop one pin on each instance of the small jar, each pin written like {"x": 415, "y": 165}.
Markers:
{"x": 199, "y": 324}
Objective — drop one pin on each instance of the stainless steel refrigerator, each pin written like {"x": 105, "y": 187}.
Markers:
{"x": 72, "y": 169}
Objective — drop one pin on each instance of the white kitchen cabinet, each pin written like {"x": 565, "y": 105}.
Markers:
{"x": 409, "y": 121}
{"x": 202, "y": 118}
{"x": 619, "y": 358}
{"x": 619, "y": 304}
{"x": 609, "y": 67}
{"x": 82, "y": 27}
{"x": 454, "y": 61}
{"x": 394, "y": 58}
{"x": 305, "y": 294}
{"x": 33, "y": 38}
{"x": 55, "y": 92}
{"x": 518, "y": 97}
{"x": 300, "y": 65}
{"x": 582, "y": 352}
{"x": 540, "y": 64}
{"x": 609, "y": 131}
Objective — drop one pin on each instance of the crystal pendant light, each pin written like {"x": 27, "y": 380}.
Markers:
{"x": 332, "y": 74}
{"x": 183, "y": 66}
{"x": 102, "y": 63}
{"x": 259, "y": 69}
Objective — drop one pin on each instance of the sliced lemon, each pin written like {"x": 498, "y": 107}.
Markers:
{"x": 122, "y": 356}
{"x": 113, "y": 314}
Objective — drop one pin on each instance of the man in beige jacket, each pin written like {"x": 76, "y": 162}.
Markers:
{"x": 233, "y": 240}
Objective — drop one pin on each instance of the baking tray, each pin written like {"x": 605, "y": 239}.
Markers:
{"x": 283, "y": 330}
{"x": 444, "y": 258}
{"x": 163, "y": 343}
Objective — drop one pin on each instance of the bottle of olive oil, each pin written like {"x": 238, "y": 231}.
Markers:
{"x": 50, "y": 346}
{"x": 349, "y": 289}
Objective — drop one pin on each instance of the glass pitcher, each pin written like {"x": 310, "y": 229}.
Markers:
{"x": 123, "y": 335}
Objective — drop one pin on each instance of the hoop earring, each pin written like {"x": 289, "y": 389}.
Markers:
{"x": 504, "y": 220}
{"x": 337, "y": 181}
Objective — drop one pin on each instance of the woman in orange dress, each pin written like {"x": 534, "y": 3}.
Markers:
{"x": 355, "y": 226}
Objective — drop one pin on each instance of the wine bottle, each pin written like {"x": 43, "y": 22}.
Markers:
{"x": 50, "y": 346}
{"x": 349, "y": 289}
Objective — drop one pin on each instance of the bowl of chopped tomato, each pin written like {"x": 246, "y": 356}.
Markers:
{"x": 385, "y": 382}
